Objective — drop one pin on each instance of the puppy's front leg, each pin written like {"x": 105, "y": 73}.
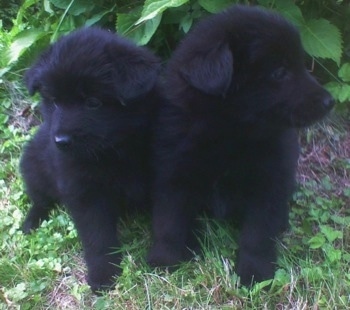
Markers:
{"x": 96, "y": 222}
{"x": 257, "y": 253}
{"x": 39, "y": 211}
{"x": 173, "y": 219}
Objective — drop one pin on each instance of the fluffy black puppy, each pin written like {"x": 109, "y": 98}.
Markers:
{"x": 91, "y": 153}
{"x": 237, "y": 88}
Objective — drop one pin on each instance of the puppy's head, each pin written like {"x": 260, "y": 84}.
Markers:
{"x": 96, "y": 89}
{"x": 252, "y": 61}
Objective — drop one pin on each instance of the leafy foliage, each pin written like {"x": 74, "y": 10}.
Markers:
{"x": 153, "y": 8}
{"x": 143, "y": 33}
{"x": 162, "y": 23}
{"x": 321, "y": 39}
{"x": 340, "y": 89}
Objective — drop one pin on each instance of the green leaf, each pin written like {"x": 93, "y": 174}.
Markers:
{"x": 341, "y": 219}
{"x": 321, "y": 39}
{"x": 290, "y": 11}
{"x": 339, "y": 91}
{"x": 141, "y": 33}
{"x": 186, "y": 23}
{"x": 282, "y": 276}
{"x": 153, "y": 8}
{"x": 333, "y": 255}
{"x": 258, "y": 287}
{"x": 344, "y": 72}
{"x": 330, "y": 233}
{"x": 317, "y": 242}
{"x": 22, "y": 42}
{"x": 97, "y": 17}
{"x": 47, "y": 7}
{"x": 214, "y": 6}
{"x": 76, "y": 7}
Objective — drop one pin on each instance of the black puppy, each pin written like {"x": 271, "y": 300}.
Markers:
{"x": 236, "y": 89}
{"x": 91, "y": 153}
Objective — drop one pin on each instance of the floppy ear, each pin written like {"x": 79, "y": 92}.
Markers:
{"x": 135, "y": 74}
{"x": 210, "y": 71}
{"x": 32, "y": 79}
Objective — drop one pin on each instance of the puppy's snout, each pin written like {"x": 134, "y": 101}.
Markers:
{"x": 63, "y": 142}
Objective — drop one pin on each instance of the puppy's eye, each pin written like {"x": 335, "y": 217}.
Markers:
{"x": 93, "y": 103}
{"x": 279, "y": 73}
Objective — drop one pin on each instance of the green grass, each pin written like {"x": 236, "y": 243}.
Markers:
{"x": 45, "y": 270}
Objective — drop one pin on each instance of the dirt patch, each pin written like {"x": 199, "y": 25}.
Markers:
{"x": 325, "y": 153}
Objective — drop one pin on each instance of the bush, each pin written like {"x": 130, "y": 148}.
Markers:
{"x": 161, "y": 24}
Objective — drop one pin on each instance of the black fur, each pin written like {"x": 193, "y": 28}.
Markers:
{"x": 91, "y": 153}
{"x": 236, "y": 90}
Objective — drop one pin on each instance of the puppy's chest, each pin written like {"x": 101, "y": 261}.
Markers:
{"x": 226, "y": 192}
{"x": 73, "y": 176}
{"x": 237, "y": 173}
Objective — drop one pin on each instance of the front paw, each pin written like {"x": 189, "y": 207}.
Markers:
{"x": 101, "y": 275}
{"x": 34, "y": 218}
{"x": 29, "y": 225}
{"x": 101, "y": 285}
{"x": 164, "y": 255}
{"x": 253, "y": 269}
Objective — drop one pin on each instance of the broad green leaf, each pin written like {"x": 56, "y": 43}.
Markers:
{"x": 334, "y": 255}
{"x": 47, "y": 7}
{"x": 22, "y": 42}
{"x": 330, "y": 233}
{"x": 214, "y": 6}
{"x": 287, "y": 8}
{"x": 339, "y": 91}
{"x": 258, "y": 287}
{"x": 290, "y": 11}
{"x": 153, "y": 8}
{"x": 126, "y": 22}
{"x": 282, "y": 276}
{"x": 342, "y": 220}
{"x": 344, "y": 72}
{"x": 321, "y": 39}
{"x": 140, "y": 33}
{"x": 317, "y": 242}
{"x": 76, "y": 7}
{"x": 97, "y": 17}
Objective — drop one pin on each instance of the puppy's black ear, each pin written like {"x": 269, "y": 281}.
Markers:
{"x": 210, "y": 71}
{"x": 33, "y": 77}
{"x": 135, "y": 73}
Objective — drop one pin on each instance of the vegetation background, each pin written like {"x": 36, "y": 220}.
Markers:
{"x": 45, "y": 270}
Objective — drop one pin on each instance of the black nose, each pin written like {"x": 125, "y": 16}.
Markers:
{"x": 63, "y": 141}
{"x": 328, "y": 102}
